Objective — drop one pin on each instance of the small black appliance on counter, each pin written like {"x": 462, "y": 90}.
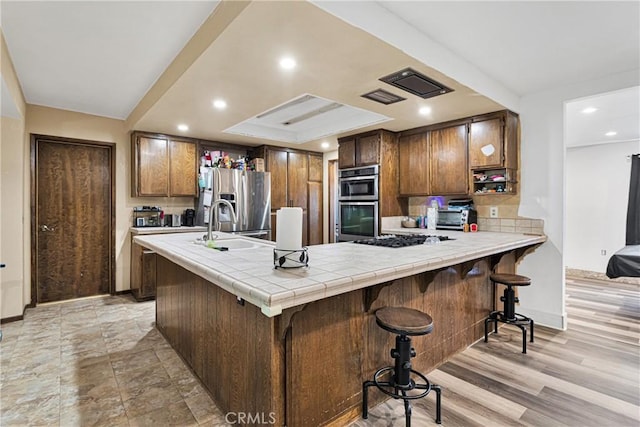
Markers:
{"x": 189, "y": 218}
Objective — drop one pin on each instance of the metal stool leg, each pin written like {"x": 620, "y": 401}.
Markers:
{"x": 438, "y": 391}
{"x": 365, "y": 405}
{"x": 531, "y": 328}
{"x": 407, "y": 409}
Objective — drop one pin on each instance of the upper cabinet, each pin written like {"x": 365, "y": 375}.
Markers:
{"x": 162, "y": 166}
{"x": 359, "y": 150}
{"x": 493, "y": 141}
{"x": 493, "y": 153}
{"x": 413, "y": 157}
{"x": 296, "y": 180}
{"x": 449, "y": 168}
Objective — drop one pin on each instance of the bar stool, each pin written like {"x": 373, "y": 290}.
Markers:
{"x": 404, "y": 322}
{"x": 509, "y": 315}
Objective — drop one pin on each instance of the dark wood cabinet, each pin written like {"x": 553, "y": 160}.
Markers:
{"x": 359, "y": 150}
{"x": 493, "y": 141}
{"x": 163, "y": 166}
{"x": 368, "y": 150}
{"x": 347, "y": 153}
{"x": 143, "y": 273}
{"x": 292, "y": 174}
{"x": 448, "y": 161}
{"x": 413, "y": 157}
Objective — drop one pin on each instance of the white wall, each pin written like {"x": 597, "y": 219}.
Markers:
{"x": 543, "y": 190}
{"x": 327, "y": 228}
{"x": 597, "y": 197}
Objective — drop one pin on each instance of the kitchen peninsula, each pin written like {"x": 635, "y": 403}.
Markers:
{"x": 296, "y": 344}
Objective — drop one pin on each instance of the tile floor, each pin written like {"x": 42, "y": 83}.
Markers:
{"x": 96, "y": 362}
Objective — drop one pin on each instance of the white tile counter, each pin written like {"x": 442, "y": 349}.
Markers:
{"x": 333, "y": 269}
{"x": 139, "y": 231}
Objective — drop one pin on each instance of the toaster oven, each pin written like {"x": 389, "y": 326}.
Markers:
{"x": 456, "y": 219}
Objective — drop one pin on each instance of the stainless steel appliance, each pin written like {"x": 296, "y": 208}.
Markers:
{"x": 248, "y": 192}
{"x": 359, "y": 183}
{"x": 357, "y": 220}
{"x": 456, "y": 219}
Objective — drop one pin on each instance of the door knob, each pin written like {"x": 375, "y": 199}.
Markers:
{"x": 46, "y": 228}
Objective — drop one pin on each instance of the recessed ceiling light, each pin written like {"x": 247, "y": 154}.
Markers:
{"x": 589, "y": 110}
{"x": 325, "y": 145}
{"x": 288, "y": 63}
{"x": 424, "y": 111}
{"x": 611, "y": 133}
{"x": 220, "y": 104}
{"x": 183, "y": 128}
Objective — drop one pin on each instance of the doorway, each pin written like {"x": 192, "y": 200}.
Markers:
{"x": 72, "y": 218}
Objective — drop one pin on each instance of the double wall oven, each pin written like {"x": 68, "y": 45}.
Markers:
{"x": 358, "y": 203}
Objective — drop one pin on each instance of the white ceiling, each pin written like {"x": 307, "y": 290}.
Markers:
{"x": 617, "y": 111}
{"x": 103, "y": 57}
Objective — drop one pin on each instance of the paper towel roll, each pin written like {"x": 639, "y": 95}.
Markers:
{"x": 432, "y": 218}
{"x": 289, "y": 229}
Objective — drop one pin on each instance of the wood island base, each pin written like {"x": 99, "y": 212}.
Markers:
{"x": 306, "y": 366}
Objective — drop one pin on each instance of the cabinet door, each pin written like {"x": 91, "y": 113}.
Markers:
{"x": 297, "y": 177}
{"x": 449, "y": 172}
{"x": 414, "y": 164}
{"x": 152, "y": 167}
{"x": 148, "y": 284}
{"x": 347, "y": 154}
{"x": 368, "y": 150}
{"x": 277, "y": 165}
{"x": 315, "y": 168}
{"x": 182, "y": 169}
{"x": 315, "y": 213}
{"x": 486, "y": 144}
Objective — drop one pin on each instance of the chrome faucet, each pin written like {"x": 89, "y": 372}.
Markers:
{"x": 215, "y": 203}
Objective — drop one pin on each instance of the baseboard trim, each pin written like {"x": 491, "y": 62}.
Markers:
{"x": 126, "y": 291}
{"x": 543, "y": 318}
{"x": 12, "y": 319}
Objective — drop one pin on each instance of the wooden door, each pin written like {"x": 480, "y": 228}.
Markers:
{"x": 183, "y": 169}
{"x": 315, "y": 167}
{"x": 277, "y": 166}
{"x": 333, "y": 200}
{"x": 297, "y": 177}
{"x": 73, "y": 221}
{"x": 315, "y": 213}
{"x": 449, "y": 172}
{"x": 486, "y": 143}
{"x": 414, "y": 164}
{"x": 347, "y": 153}
{"x": 152, "y": 167}
{"x": 368, "y": 150}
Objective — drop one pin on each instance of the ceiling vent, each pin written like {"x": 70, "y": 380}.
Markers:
{"x": 416, "y": 83}
{"x": 383, "y": 97}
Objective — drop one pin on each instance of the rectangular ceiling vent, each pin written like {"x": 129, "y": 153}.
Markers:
{"x": 416, "y": 83}
{"x": 383, "y": 97}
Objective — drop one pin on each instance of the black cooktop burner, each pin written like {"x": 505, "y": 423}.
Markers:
{"x": 392, "y": 241}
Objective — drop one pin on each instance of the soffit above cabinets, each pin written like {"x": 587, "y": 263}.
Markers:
{"x": 306, "y": 118}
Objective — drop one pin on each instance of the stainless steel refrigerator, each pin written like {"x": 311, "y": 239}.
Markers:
{"x": 248, "y": 192}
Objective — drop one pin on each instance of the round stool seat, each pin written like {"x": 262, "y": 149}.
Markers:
{"x": 510, "y": 279}
{"x": 404, "y": 321}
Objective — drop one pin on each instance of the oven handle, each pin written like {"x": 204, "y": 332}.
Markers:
{"x": 359, "y": 178}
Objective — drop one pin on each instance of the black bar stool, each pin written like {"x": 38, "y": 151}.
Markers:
{"x": 509, "y": 315}
{"x": 404, "y": 322}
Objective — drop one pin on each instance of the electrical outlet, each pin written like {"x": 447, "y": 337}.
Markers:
{"x": 603, "y": 251}
{"x": 493, "y": 212}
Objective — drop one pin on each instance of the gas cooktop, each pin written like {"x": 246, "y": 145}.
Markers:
{"x": 393, "y": 241}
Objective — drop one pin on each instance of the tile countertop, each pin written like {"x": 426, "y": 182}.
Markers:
{"x": 333, "y": 268}
{"x": 138, "y": 231}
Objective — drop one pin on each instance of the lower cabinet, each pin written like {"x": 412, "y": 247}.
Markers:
{"x": 143, "y": 273}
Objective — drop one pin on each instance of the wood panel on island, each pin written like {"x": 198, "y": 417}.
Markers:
{"x": 163, "y": 166}
{"x": 296, "y": 180}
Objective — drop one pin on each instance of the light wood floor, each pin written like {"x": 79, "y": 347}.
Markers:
{"x": 586, "y": 376}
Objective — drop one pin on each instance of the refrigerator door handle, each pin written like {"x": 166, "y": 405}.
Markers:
{"x": 245, "y": 200}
